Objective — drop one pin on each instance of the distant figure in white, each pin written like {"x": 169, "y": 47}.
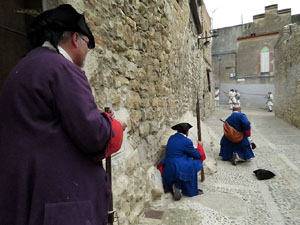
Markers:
{"x": 237, "y": 97}
{"x": 270, "y": 100}
{"x": 217, "y": 97}
{"x": 231, "y": 98}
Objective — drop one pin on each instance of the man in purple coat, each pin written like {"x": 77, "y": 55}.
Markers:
{"x": 52, "y": 136}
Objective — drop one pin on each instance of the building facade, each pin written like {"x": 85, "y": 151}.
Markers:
{"x": 244, "y": 55}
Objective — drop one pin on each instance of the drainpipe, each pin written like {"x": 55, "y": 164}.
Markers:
{"x": 235, "y": 64}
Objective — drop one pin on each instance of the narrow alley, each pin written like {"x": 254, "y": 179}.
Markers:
{"x": 233, "y": 195}
{"x": 91, "y": 91}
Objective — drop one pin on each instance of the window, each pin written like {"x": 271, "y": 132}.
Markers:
{"x": 265, "y": 60}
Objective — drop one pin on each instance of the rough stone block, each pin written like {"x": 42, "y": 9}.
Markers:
{"x": 155, "y": 183}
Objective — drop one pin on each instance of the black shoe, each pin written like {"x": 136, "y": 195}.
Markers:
{"x": 234, "y": 159}
{"x": 176, "y": 193}
{"x": 200, "y": 191}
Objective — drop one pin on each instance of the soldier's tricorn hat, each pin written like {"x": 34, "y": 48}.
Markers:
{"x": 50, "y": 25}
{"x": 182, "y": 127}
{"x": 263, "y": 174}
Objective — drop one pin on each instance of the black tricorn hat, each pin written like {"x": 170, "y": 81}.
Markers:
{"x": 50, "y": 25}
{"x": 263, "y": 174}
{"x": 182, "y": 127}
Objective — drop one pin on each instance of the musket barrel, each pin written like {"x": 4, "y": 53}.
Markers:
{"x": 108, "y": 171}
{"x": 198, "y": 119}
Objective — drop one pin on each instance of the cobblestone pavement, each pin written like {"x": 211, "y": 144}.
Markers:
{"x": 233, "y": 195}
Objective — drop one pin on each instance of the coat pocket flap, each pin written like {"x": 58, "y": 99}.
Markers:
{"x": 66, "y": 213}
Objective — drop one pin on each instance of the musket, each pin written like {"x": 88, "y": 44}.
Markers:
{"x": 108, "y": 171}
{"x": 198, "y": 118}
{"x": 199, "y": 131}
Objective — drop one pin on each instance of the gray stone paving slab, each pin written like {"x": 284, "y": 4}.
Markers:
{"x": 233, "y": 195}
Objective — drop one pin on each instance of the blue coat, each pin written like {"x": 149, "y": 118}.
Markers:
{"x": 182, "y": 164}
{"x": 241, "y": 123}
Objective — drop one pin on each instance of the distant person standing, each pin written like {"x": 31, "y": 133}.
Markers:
{"x": 217, "y": 97}
{"x": 237, "y": 97}
{"x": 270, "y": 100}
{"x": 231, "y": 98}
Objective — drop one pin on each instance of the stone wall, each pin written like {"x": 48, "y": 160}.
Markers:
{"x": 209, "y": 80}
{"x": 148, "y": 66}
{"x": 287, "y": 79}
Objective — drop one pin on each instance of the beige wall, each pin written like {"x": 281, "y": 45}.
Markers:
{"x": 269, "y": 22}
{"x": 287, "y": 79}
{"x": 223, "y": 66}
{"x": 248, "y": 55}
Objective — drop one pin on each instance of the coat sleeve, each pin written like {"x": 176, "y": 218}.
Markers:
{"x": 81, "y": 120}
{"x": 245, "y": 123}
{"x": 190, "y": 150}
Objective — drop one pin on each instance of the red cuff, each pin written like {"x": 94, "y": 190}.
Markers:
{"x": 116, "y": 136}
{"x": 248, "y": 133}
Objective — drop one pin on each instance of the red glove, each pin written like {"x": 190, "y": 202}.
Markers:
{"x": 201, "y": 151}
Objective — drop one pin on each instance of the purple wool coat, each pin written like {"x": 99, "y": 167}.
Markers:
{"x": 50, "y": 132}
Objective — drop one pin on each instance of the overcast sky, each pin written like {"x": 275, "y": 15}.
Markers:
{"x": 225, "y": 13}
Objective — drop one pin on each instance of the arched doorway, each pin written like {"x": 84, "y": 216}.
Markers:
{"x": 14, "y": 23}
{"x": 265, "y": 61}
